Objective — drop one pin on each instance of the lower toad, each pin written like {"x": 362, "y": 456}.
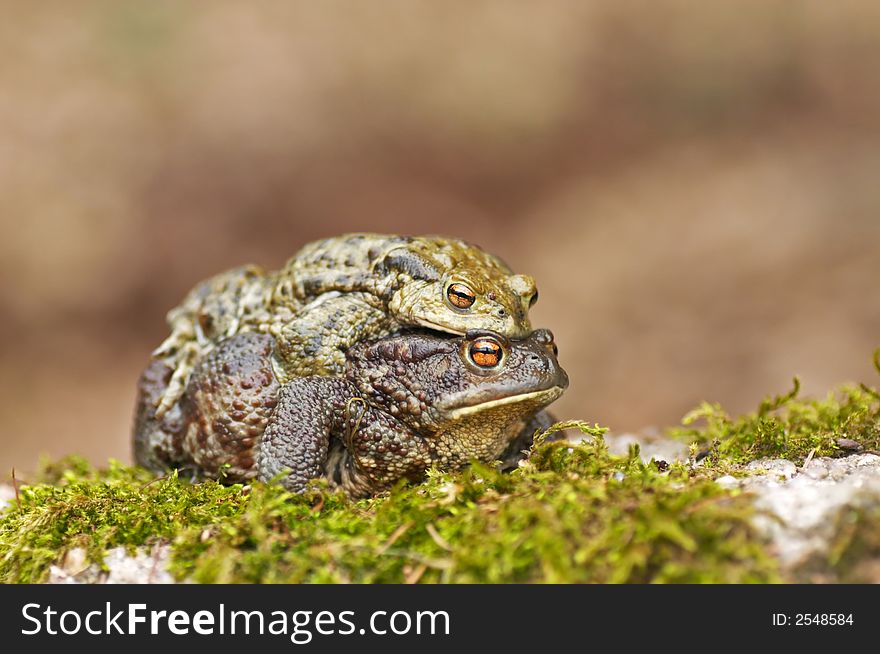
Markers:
{"x": 403, "y": 405}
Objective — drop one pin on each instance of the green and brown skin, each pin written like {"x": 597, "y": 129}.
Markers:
{"x": 341, "y": 291}
{"x": 404, "y": 404}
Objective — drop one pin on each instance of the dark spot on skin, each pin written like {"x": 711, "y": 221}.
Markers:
{"x": 312, "y": 287}
{"x": 313, "y": 347}
{"x": 411, "y": 264}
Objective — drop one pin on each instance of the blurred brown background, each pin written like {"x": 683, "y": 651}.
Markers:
{"x": 694, "y": 185}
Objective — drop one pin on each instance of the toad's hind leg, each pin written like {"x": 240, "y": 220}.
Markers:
{"x": 227, "y": 404}
{"x": 155, "y": 437}
{"x": 323, "y": 427}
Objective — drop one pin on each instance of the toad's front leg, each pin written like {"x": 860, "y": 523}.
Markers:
{"x": 379, "y": 451}
{"x": 520, "y": 446}
{"x": 322, "y": 427}
{"x": 316, "y": 340}
{"x": 297, "y": 438}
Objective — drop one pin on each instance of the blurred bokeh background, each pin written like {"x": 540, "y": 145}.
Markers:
{"x": 696, "y": 186}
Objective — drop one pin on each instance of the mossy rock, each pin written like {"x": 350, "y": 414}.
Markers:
{"x": 570, "y": 513}
{"x": 786, "y": 427}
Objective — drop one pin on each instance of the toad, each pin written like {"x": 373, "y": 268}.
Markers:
{"x": 401, "y": 405}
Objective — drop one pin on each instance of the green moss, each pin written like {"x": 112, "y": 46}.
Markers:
{"x": 571, "y": 514}
{"x": 99, "y": 510}
{"x": 787, "y": 427}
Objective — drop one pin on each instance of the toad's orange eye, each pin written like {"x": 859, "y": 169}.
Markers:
{"x": 485, "y": 352}
{"x": 460, "y": 296}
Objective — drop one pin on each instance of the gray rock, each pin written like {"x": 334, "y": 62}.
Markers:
{"x": 798, "y": 509}
{"x": 147, "y": 566}
{"x": 728, "y": 481}
{"x": 815, "y": 469}
{"x": 773, "y": 468}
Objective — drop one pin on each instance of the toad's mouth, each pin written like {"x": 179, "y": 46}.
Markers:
{"x": 542, "y": 397}
{"x": 441, "y": 328}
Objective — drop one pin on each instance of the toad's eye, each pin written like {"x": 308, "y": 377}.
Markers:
{"x": 485, "y": 352}
{"x": 534, "y": 299}
{"x": 460, "y": 296}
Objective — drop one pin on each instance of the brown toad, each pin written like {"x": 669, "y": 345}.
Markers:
{"x": 403, "y": 404}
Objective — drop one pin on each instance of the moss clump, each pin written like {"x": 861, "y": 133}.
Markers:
{"x": 571, "y": 514}
{"x": 787, "y": 427}
{"x": 98, "y": 510}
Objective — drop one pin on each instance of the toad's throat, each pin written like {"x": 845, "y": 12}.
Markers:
{"x": 542, "y": 397}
